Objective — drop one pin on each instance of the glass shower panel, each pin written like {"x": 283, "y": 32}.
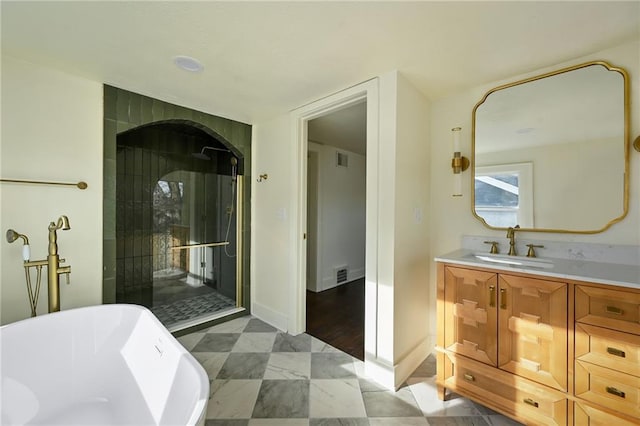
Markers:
{"x": 194, "y": 239}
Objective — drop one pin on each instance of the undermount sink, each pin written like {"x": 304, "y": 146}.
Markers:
{"x": 526, "y": 262}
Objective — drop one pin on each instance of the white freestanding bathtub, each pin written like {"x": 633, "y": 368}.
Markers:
{"x": 100, "y": 365}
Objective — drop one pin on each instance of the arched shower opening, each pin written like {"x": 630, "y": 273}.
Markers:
{"x": 177, "y": 218}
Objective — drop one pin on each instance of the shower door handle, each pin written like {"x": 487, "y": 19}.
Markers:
{"x": 190, "y": 246}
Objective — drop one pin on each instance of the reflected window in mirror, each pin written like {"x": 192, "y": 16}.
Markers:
{"x": 504, "y": 194}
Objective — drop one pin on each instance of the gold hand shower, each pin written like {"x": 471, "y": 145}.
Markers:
{"x": 26, "y": 251}
{"x": 12, "y": 236}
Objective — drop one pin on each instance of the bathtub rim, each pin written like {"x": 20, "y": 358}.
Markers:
{"x": 198, "y": 413}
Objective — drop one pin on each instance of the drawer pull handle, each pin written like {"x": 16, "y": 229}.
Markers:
{"x": 492, "y": 296}
{"x": 616, "y": 392}
{"x": 531, "y": 402}
{"x": 614, "y": 310}
{"x": 616, "y": 352}
{"x": 469, "y": 377}
{"x": 503, "y": 298}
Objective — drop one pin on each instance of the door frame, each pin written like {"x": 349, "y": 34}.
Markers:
{"x": 369, "y": 92}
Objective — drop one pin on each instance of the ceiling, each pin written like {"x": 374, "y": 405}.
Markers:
{"x": 345, "y": 129}
{"x": 262, "y": 59}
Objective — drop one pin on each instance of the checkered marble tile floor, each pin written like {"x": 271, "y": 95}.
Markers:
{"x": 261, "y": 376}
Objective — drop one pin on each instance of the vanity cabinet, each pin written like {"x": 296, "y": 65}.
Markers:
{"x": 539, "y": 349}
{"x": 515, "y": 323}
{"x": 607, "y": 351}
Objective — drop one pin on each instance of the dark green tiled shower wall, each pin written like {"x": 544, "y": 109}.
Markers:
{"x": 124, "y": 110}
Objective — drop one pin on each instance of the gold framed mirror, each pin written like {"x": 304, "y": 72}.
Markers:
{"x": 551, "y": 153}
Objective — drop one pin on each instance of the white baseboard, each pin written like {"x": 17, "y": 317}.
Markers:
{"x": 356, "y": 274}
{"x": 271, "y": 317}
{"x": 411, "y": 361}
{"x": 392, "y": 377}
{"x": 380, "y": 372}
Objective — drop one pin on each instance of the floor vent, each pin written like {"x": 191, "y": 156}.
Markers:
{"x": 341, "y": 275}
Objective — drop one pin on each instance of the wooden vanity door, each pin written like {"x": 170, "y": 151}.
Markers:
{"x": 532, "y": 336}
{"x": 470, "y": 312}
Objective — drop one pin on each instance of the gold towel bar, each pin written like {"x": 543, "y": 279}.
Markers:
{"x": 80, "y": 185}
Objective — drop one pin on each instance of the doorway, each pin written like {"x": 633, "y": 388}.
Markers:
{"x": 336, "y": 231}
{"x": 300, "y": 117}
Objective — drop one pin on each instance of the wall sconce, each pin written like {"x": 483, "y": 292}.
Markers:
{"x": 458, "y": 163}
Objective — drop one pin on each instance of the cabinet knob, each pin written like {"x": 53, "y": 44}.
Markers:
{"x": 469, "y": 377}
{"x": 531, "y": 402}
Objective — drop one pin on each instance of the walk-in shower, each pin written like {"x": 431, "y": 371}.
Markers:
{"x": 178, "y": 222}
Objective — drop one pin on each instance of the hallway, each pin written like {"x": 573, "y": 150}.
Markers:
{"x": 336, "y": 316}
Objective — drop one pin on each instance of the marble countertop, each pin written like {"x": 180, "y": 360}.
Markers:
{"x": 625, "y": 275}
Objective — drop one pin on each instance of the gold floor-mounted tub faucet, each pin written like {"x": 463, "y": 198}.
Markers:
{"x": 52, "y": 262}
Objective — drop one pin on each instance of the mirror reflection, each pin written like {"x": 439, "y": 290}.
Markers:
{"x": 550, "y": 152}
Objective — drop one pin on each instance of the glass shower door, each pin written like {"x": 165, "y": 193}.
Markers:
{"x": 194, "y": 245}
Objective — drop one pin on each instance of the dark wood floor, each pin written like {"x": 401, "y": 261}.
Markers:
{"x": 336, "y": 316}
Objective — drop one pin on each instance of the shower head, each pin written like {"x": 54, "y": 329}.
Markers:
{"x": 234, "y": 169}
{"x": 202, "y": 156}
{"x": 13, "y": 235}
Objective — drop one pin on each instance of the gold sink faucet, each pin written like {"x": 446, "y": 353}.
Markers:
{"x": 511, "y": 234}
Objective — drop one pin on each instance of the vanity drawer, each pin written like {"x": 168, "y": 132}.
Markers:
{"x": 608, "y": 348}
{"x": 516, "y": 396}
{"x": 586, "y": 415}
{"x": 615, "y": 309}
{"x": 615, "y": 390}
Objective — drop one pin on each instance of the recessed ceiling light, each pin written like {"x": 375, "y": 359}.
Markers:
{"x": 188, "y": 64}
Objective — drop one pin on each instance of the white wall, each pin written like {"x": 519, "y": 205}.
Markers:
{"x": 51, "y": 130}
{"x": 411, "y": 251}
{"x": 396, "y": 336}
{"x": 342, "y": 209}
{"x": 451, "y": 217}
{"x": 271, "y": 221}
